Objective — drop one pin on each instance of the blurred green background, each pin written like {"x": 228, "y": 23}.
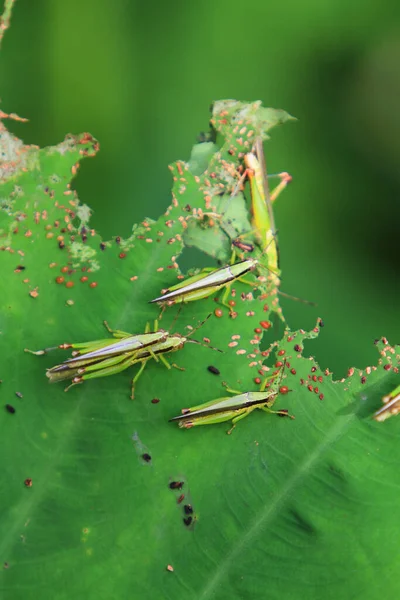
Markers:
{"x": 140, "y": 77}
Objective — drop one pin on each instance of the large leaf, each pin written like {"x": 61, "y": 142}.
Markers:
{"x": 282, "y": 508}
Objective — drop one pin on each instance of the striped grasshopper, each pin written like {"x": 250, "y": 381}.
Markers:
{"x": 232, "y": 408}
{"x": 104, "y": 357}
{"x": 205, "y": 284}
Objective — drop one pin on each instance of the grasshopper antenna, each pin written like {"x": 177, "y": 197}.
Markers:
{"x": 176, "y": 317}
{"x": 193, "y": 329}
{"x": 309, "y": 302}
{"x": 200, "y": 343}
{"x": 206, "y": 346}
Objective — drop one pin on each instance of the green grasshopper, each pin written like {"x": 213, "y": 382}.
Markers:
{"x": 205, "y": 284}
{"x": 230, "y": 408}
{"x": 263, "y": 221}
{"x": 261, "y": 205}
{"x": 101, "y": 358}
{"x": 391, "y": 405}
{"x": 262, "y": 215}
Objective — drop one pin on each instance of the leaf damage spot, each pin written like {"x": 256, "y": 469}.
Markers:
{"x": 142, "y": 452}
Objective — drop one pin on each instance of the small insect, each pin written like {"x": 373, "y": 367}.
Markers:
{"x": 205, "y": 284}
{"x": 244, "y": 246}
{"x": 262, "y": 215}
{"x": 103, "y": 357}
{"x": 213, "y": 370}
{"x": 263, "y": 221}
{"x": 176, "y": 485}
{"x": 230, "y": 408}
{"x": 391, "y": 405}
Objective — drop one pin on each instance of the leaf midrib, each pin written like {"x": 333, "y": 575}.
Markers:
{"x": 268, "y": 513}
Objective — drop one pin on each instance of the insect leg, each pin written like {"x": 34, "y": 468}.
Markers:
{"x": 134, "y": 380}
{"x": 247, "y": 282}
{"x": 152, "y": 354}
{"x": 72, "y": 385}
{"x": 40, "y": 352}
{"x": 113, "y": 367}
{"x": 164, "y": 306}
{"x": 168, "y": 365}
{"x": 225, "y": 295}
{"x": 242, "y": 415}
{"x": 117, "y": 333}
{"x": 283, "y": 412}
{"x": 285, "y": 179}
{"x": 230, "y": 390}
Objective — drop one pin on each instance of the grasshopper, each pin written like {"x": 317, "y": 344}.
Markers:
{"x": 262, "y": 215}
{"x": 230, "y": 408}
{"x": 205, "y": 284}
{"x": 261, "y": 206}
{"x": 103, "y": 357}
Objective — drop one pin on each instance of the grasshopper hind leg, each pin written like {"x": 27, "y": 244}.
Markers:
{"x": 73, "y": 383}
{"x": 281, "y": 413}
{"x": 134, "y": 380}
{"x": 243, "y": 415}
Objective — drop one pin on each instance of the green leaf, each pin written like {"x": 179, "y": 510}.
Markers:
{"x": 232, "y": 222}
{"x": 241, "y": 121}
{"x": 281, "y": 508}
